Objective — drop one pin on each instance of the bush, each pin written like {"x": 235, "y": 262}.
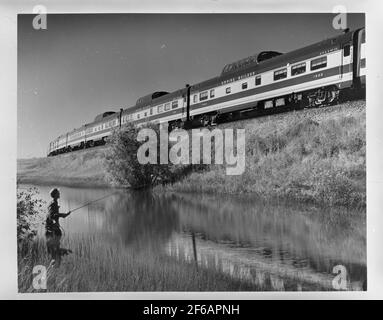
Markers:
{"x": 28, "y": 214}
{"x": 124, "y": 169}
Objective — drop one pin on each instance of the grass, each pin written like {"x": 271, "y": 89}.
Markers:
{"x": 95, "y": 267}
{"x": 316, "y": 156}
{"x": 78, "y": 169}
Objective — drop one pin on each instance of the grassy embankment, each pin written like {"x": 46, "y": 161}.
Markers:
{"x": 316, "y": 155}
{"x": 78, "y": 169}
{"x": 94, "y": 267}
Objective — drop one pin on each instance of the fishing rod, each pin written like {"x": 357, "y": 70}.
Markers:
{"x": 95, "y": 200}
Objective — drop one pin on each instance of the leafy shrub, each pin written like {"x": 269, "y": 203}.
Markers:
{"x": 29, "y": 207}
{"x": 124, "y": 169}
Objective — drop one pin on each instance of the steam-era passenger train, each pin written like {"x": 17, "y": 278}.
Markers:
{"x": 316, "y": 75}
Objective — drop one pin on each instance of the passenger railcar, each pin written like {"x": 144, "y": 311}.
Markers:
{"x": 316, "y": 75}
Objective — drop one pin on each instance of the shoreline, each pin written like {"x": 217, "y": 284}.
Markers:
{"x": 167, "y": 191}
{"x": 68, "y": 182}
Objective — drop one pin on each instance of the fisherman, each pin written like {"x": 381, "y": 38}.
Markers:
{"x": 52, "y": 226}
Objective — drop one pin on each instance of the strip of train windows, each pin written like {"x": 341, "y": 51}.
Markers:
{"x": 298, "y": 68}
{"x": 280, "y": 74}
{"x": 319, "y": 63}
{"x": 203, "y": 96}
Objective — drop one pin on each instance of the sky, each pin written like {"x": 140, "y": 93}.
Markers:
{"x": 83, "y": 65}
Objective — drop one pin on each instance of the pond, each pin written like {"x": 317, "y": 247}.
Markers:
{"x": 277, "y": 245}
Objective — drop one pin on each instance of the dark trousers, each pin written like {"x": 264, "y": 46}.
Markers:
{"x": 53, "y": 239}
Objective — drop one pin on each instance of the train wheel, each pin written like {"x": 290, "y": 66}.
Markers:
{"x": 323, "y": 96}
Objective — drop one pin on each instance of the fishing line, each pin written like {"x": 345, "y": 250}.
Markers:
{"x": 95, "y": 200}
{"x": 87, "y": 204}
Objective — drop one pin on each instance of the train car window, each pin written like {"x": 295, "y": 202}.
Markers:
{"x": 280, "y": 74}
{"x": 159, "y": 109}
{"x": 244, "y": 85}
{"x": 195, "y": 98}
{"x": 319, "y": 63}
{"x": 346, "y": 51}
{"x": 258, "y": 80}
{"x": 174, "y": 104}
{"x": 167, "y": 106}
{"x": 203, "y": 96}
{"x": 151, "y": 111}
{"x": 138, "y": 116}
{"x": 212, "y": 93}
{"x": 298, "y": 68}
{"x": 228, "y": 90}
{"x": 145, "y": 114}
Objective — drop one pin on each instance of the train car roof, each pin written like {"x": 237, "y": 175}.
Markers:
{"x": 249, "y": 61}
{"x": 155, "y": 98}
{"x": 251, "y": 64}
{"x": 103, "y": 115}
{"x": 145, "y": 100}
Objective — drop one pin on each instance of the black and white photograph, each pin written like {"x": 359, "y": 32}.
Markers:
{"x": 190, "y": 152}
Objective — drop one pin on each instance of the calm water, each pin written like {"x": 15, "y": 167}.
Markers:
{"x": 289, "y": 246}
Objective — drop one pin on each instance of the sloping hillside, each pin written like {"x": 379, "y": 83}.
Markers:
{"x": 316, "y": 155}
{"x": 82, "y": 168}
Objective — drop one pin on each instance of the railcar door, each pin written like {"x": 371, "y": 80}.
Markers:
{"x": 183, "y": 107}
{"x": 186, "y": 103}
{"x": 347, "y": 53}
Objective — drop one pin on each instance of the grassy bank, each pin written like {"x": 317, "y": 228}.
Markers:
{"x": 78, "y": 169}
{"x": 95, "y": 267}
{"x": 316, "y": 155}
